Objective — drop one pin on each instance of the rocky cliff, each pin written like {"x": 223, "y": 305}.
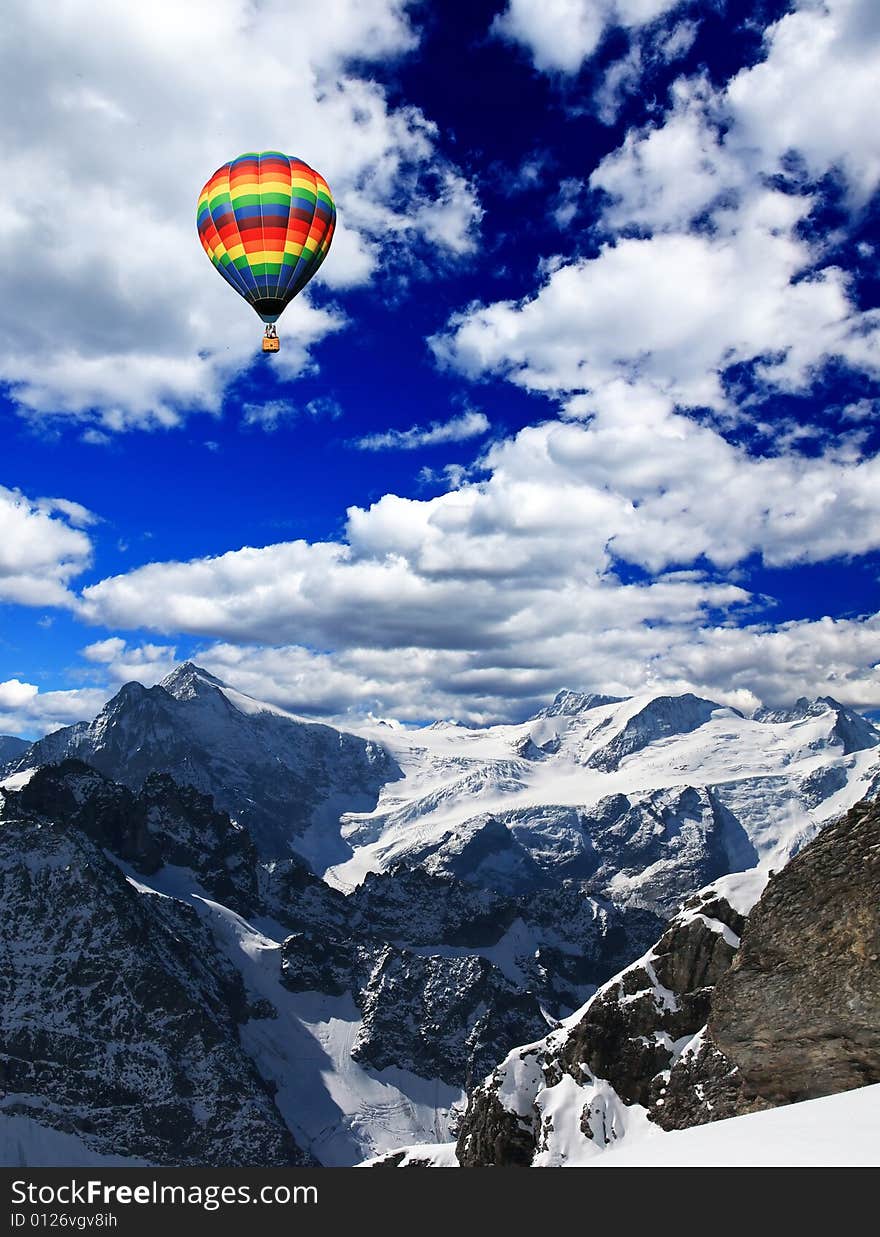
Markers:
{"x": 797, "y": 1015}
{"x": 708, "y": 1025}
{"x": 119, "y": 1019}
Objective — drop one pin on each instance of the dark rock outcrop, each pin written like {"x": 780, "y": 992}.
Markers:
{"x": 118, "y": 1015}
{"x": 162, "y": 823}
{"x": 630, "y": 1035}
{"x": 799, "y": 1011}
{"x": 414, "y": 950}
{"x": 441, "y": 1017}
{"x": 700, "y": 1030}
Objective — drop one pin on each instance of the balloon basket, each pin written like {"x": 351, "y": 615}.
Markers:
{"x": 271, "y": 344}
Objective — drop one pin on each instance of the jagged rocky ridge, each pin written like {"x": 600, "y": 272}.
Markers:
{"x": 703, "y": 1027}
{"x": 406, "y": 948}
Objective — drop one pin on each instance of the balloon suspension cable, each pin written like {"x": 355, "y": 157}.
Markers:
{"x": 270, "y": 331}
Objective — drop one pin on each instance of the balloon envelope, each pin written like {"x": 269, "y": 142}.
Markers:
{"x": 266, "y": 221}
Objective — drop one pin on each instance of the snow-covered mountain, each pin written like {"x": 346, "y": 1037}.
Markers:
{"x": 639, "y": 800}
{"x": 363, "y": 1018}
{"x": 284, "y": 778}
{"x": 480, "y": 884}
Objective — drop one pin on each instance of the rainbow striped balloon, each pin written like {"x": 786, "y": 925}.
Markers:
{"x": 266, "y": 221}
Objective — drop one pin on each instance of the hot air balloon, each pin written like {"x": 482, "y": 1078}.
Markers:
{"x": 266, "y": 221}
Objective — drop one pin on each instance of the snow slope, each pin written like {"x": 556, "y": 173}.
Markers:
{"x": 338, "y": 1110}
{"x": 769, "y": 785}
{"x": 837, "y": 1131}
{"x": 24, "y": 1143}
{"x": 335, "y": 1108}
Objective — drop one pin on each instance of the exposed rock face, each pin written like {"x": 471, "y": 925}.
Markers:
{"x": 163, "y": 823}
{"x": 446, "y": 977}
{"x": 799, "y": 1011}
{"x": 703, "y": 1085}
{"x": 647, "y": 849}
{"x": 496, "y": 1136}
{"x": 11, "y": 747}
{"x": 314, "y": 962}
{"x": 431, "y": 1002}
{"x": 119, "y": 1017}
{"x": 412, "y": 905}
{"x": 628, "y": 1034}
{"x": 441, "y": 1017}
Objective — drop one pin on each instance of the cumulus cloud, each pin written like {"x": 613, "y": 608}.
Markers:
{"x": 121, "y": 662}
{"x": 559, "y": 35}
{"x": 722, "y": 271}
{"x": 112, "y": 117}
{"x": 456, "y": 429}
{"x": 29, "y": 712}
{"x": 814, "y": 92}
{"x": 496, "y": 592}
{"x": 42, "y": 548}
{"x": 738, "y": 666}
{"x": 677, "y": 309}
{"x": 606, "y": 549}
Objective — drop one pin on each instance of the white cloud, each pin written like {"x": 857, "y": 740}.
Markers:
{"x": 457, "y": 429}
{"x": 682, "y": 304}
{"x": 480, "y": 601}
{"x": 663, "y": 176}
{"x": 41, "y": 548}
{"x": 112, "y": 314}
{"x": 560, "y": 35}
{"x": 27, "y": 711}
{"x": 601, "y": 551}
{"x": 148, "y": 663}
{"x": 675, "y": 309}
{"x": 75, "y": 513}
{"x": 739, "y": 666}
{"x": 274, "y": 412}
{"x": 815, "y": 91}
{"x": 14, "y": 694}
{"x": 103, "y": 651}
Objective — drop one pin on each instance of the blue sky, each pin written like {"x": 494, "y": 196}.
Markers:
{"x": 584, "y": 395}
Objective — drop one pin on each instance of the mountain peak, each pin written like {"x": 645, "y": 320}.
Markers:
{"x": 568, "y": 702}
{"x": 187, "y": 679}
